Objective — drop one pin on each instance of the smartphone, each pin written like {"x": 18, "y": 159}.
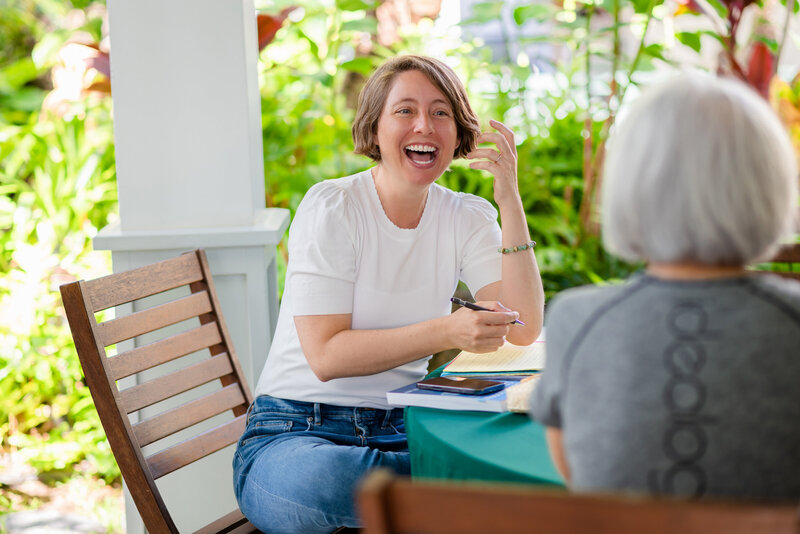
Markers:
{"x": 458, "y": 384}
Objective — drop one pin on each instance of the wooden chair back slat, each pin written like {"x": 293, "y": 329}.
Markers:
{"x": 121, "y": 288}
{"x": 188, "y": 414}
{"x": 229, "y": 398}
{"x": 137, "y": 397}
{"x": 788, "y": 257}
{"x": 165, "y": 350}
{"x": 180, "y": 455}
{"x": 787, "y": 254}
{"x": 396, "y": 505}
{"x": 153, "y": 319}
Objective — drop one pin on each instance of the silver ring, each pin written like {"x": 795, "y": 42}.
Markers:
{"x": 498, "y": 158}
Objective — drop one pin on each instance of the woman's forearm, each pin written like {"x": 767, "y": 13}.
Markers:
{"x": 521, "y": 285}
{"x": 366, "y": 352}
{"x": 334, "y": 350}
{"x": 555, "y": 444}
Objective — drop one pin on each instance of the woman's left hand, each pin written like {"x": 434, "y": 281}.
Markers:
{"x": 501, "y": 162}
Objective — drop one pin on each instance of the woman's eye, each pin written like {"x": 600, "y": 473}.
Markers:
{"x": 442, "y": 114}
{"x": 404, "y": 111}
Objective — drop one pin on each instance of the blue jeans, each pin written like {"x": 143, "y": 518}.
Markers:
{"x": 297, "y": 465}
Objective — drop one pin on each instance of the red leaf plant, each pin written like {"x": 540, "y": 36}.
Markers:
{"x": 268, "y": 25}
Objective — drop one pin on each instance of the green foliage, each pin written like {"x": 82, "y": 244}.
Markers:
{"x": 57, "y": 187}
{"x": 304, "y": 111}
{"x": 16, "y": 35}
{"x": 690, "y": 39}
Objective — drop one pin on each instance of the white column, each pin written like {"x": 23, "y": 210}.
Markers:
{"x": 187, "y": 128}
{"x": 187, "y": 112}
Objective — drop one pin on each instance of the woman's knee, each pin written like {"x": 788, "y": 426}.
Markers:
{"x": 302, "y": 478}
{"x": 310, "y": 480}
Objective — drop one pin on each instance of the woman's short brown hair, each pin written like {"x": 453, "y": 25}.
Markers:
{"x": 373, "y": 98}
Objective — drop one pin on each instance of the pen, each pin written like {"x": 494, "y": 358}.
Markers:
{"x": 475, "y": 307}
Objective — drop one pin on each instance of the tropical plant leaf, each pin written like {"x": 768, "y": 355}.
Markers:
{"x": 771, "y": 43}
{"x": 690, "y": 39}
{"x": 268, "y": 25}
{"x": 354, "y": 5}
{"x": 311, "y": 43}
{"x": 534, "y": 11}
{"x": 362, "y": 65}
{"x": 645, "y": 6}
{"x": 760, "y": 68}
{"x": 720, "y": 7}
{"x": 366, "y": 24}
{"x": 15, "y": 75}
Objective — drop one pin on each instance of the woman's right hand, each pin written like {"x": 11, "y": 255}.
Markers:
{"x": 480, "y": 331}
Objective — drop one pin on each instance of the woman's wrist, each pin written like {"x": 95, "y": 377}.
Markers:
{"x": 443, "y": 332}
{"x": 515, "y": 224}
{"x": 510, "y": 206}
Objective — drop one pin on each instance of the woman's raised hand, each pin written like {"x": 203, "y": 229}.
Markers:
{"x": 500, "y": 161}
{"x": 480, "y": 331}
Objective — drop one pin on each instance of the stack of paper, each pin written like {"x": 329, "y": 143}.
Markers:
{"x": 514, "y": 398}
{"x": 518, "y": 367}
{"x": 518, "y": 396}
{"x": 411, "y": 395}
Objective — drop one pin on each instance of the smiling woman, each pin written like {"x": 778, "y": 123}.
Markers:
{"x": 373, "y": 261}
{"x": 416, "y": 138}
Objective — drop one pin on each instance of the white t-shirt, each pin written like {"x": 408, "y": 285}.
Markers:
{"x": 346, "y": 256}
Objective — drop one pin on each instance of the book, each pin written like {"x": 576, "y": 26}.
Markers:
{"x": 514, "y": 397}
{"x": 411, "y": 395}
{"x": 507, "y": 360}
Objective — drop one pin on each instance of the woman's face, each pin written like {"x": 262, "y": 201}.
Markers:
{"x": 417, "y": 132}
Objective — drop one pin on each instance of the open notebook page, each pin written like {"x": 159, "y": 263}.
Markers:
{"x": 508, "y": 358}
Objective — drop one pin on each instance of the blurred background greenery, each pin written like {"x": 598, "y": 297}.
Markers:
{"x": 557, "y": 74}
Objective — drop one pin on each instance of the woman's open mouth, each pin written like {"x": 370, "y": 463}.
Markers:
{"x": 423, "y": 155}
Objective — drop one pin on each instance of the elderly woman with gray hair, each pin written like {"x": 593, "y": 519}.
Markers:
{"x": 684, "y": 380}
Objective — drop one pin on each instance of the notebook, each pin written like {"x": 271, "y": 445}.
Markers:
{"x": 508, "y": 359}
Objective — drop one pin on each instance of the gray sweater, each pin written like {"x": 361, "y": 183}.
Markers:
{"x": 677, "y": 388}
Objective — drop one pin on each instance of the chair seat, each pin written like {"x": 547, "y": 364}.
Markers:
{"x": 232, "y": 523}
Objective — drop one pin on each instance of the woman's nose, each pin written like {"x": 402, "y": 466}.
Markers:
{"x": 423, "y": 124}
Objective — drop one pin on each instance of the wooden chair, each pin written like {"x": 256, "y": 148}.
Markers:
{"x": 395, "y": 505}
{"x": 788, "y": 257}
{"x": 82, "y": 300}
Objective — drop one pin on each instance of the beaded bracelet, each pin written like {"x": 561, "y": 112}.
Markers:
{"x": 526, "y": 246}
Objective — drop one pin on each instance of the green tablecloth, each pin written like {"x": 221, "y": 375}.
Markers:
{"x": 505, "y": 447}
